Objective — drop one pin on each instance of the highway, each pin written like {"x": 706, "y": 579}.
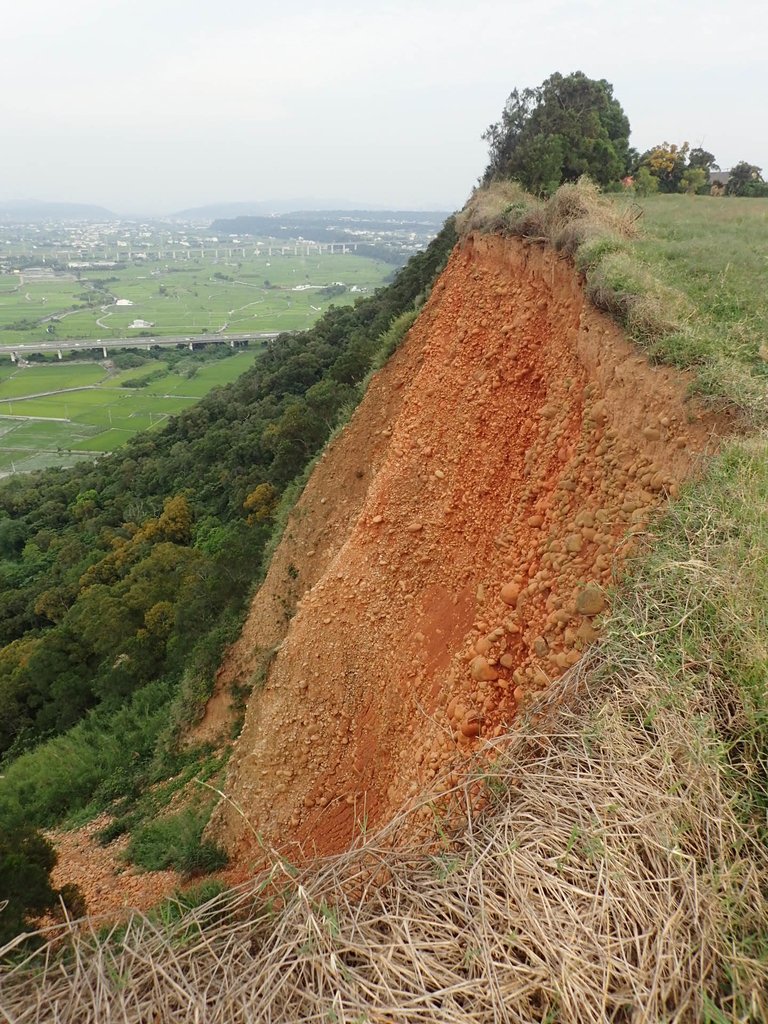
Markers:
{"x": 190, "y": 340}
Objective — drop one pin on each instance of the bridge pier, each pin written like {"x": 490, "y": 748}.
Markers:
{"x": 58, "y": 353}
{"x": 104, "y": 350}
{"x": 191, "y": 347}
{"x": 14, "y": 357}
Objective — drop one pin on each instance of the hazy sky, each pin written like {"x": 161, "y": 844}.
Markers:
{"x": 155, "y": 105}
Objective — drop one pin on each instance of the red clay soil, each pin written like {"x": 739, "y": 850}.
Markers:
{"x": 318, "y": 527}
{"x": 452, "y": 549}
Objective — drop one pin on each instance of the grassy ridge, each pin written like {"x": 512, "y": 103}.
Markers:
{"x": 702, "y": 306}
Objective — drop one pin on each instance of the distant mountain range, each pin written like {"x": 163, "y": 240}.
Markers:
{"x": 331, "y": 225}
{"x": 25, "y": 211}
{"x": 267, "y": 207}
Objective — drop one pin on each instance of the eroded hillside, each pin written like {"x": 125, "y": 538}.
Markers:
{"x": 451, "y": 553}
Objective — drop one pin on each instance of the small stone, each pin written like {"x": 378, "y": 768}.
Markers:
{"x": 415, "y": 527}
{"x": 540, "y": 646}
{"x": 481, "y": 671}
{"x": 585, "y": 518}
{"x": 652, "y": 434}
{"x": 599, "y": 412}
{"x": 590, "y": 600}
{"x": 587, "y": 632}
{"x": 510, "y": 593}
{"x": 470, "y": 728}
{"x": 574, "y": 543}
{"x": 506, "y": 661}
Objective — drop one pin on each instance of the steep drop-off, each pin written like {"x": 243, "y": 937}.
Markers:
{"x": 450, "y": 554}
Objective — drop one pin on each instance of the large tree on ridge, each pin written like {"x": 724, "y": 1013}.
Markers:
{"x": 568, "y": 126}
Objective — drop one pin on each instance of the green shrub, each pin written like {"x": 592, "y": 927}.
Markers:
{"x": 26, "y": 861}
{"x": 175, "y": 841}
{"x": 116, "y": 828}
{"x": 101, "y": 758}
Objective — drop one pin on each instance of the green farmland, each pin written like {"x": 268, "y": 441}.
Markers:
{"x": 56, "y": 414}
{"x": 257, "y": 293}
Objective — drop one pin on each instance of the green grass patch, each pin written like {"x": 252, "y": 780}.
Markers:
{"x": 176, "y": 841}
{"x": 42, "y": 434}
{"x": 104, "y": 414}
{"x": 688, "y": 629}
{"x": 34, "y": 380}
{"x": 105, "y": 441}
{"x": 684, "y": 275}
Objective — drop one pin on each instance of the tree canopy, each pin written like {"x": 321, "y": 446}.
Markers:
{"x": 568, "y": 126}
{"x": 746, "y": 180}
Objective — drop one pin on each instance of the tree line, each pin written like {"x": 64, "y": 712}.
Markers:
{"x": 572, "y": 125}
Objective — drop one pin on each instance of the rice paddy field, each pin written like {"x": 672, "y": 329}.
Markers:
{"x": 256, "y": 293}
{"x": 56, "y": 414}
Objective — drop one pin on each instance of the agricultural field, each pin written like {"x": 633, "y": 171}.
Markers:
{"x": 56, "y": 414}
{"x": 257, "y": 292}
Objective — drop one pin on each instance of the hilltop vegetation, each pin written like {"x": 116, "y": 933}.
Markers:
{"x": 569, "y": 126}
{"x": 687, "y": 289}
{"x": 572, "y": 125}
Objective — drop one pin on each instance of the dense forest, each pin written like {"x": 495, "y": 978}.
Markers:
{"x": 120, "y": 582}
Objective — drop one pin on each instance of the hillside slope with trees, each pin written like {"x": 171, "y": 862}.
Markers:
{"x": 121, "y": 582}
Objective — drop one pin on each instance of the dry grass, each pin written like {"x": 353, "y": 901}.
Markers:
{"x": 579, "y": 212}
{"x": 575, "y": 214}
{"x": 497, "y": 207}
{"x": 601, "y": 234}
{"x": 599, "y": 884}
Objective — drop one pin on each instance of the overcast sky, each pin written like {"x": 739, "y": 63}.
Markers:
{"x": 155, "y": 105}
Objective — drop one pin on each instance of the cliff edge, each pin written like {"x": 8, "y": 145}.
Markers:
{"x": 453, "y": 551}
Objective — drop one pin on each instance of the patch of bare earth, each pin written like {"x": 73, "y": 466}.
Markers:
{"x": 509, "y": 454}
{"x": 108, "y": 885}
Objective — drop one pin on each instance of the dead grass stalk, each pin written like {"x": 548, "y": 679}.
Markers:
{"x": 596, "y": 885}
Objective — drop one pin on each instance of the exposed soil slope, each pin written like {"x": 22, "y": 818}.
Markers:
{"x": 505, "y": 454}
{"x": 315, "y": 533}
